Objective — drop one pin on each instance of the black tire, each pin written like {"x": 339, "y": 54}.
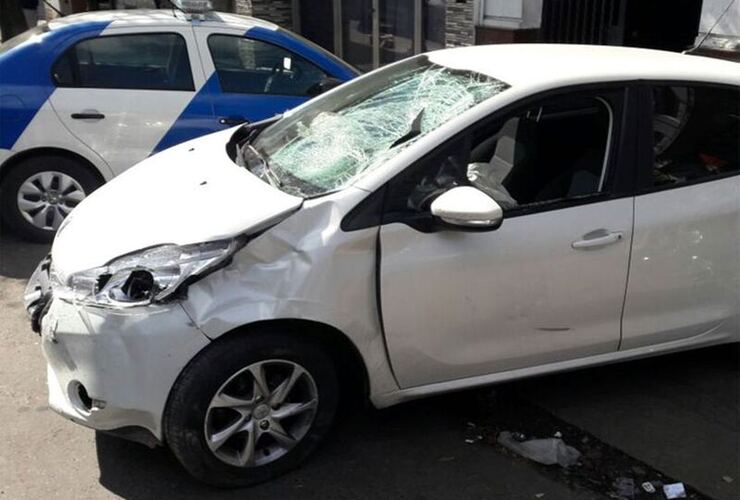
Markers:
{"x": 22, "y": 171}
{"x": 191, "y": 395}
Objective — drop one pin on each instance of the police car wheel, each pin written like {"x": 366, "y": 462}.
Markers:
{"x": 251, "y": 407}
{"x": 39, "y": 192}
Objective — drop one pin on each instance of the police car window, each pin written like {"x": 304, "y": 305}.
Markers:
{"x": 157, "y": 61}
{"x": 695, "y": 133}
{"x": 249, "y": 66}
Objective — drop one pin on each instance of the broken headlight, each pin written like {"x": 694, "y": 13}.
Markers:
{"x": 149, "y": 275}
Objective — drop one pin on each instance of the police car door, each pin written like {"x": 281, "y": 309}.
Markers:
{"x": 131, "y": 91}
{"x": 252, "y": 78}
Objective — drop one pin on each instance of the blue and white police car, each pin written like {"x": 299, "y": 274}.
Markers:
{"x": 84, "y": 97}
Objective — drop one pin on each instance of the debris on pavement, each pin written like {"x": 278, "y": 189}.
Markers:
{"x": 548, "y": 451}
{"x": 648, "y": 487}
{"x": 599, "y": 465}
{"x": 625, "y": 487}
{"x": 675, "y": 490}
{"x": 727, "y": 479}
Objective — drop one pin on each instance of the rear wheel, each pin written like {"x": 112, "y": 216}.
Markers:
{"x": 39, "y": 192}
{"x": 251, "y": 407}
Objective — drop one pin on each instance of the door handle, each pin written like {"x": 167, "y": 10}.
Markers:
{"x": 596, "y": 239}
{"x": 232, "y": 120}
{"x": 88, "y": 115}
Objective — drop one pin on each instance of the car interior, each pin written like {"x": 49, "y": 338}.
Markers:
{"x": 253, "y": 67}
{"x": 147, "y": 62}
{"x": 695, "y": 132}
{"x": 550, "y": 152}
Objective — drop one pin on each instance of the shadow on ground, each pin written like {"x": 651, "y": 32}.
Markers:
{"x": 414, "y": 451}
{"x": 19, "y": 258}
{"x": 664, "y": 411}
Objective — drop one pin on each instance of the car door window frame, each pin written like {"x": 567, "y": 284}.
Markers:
{"x": 75, "y": 67}
{"x": 645, "y": 149}
{"x": 619, "y": 182}
{"x": 294, "y": 54}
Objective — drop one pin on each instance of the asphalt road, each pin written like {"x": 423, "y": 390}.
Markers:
{"x": 678, "y": 416}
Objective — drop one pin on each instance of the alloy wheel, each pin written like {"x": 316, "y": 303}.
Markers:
{"x": 260, "y": 413}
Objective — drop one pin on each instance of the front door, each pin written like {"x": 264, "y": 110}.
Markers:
{"x": 125, "y": 94}
{"x": 549, "y": 284}
{"x": 253, "y": 79}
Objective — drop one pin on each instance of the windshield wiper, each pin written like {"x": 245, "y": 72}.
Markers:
{"x": 258, "y": 165}
{"x": 413, "y": 132}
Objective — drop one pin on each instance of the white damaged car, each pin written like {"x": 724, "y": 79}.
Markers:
{"x": 456, "y": 219}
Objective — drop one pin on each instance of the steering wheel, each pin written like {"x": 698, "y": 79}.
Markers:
{"x": 277, "y": 70}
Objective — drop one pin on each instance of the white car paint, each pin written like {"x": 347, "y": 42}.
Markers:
{"x": 187, "y": 194}
{"x": 684, "y": 280}
{"x": 518, "y": 296}
{"x": 458, "y": 309}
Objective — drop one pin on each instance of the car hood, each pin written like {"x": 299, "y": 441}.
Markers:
{"x": 190, "y": 193}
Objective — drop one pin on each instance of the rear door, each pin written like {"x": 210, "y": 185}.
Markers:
{"x": 685, "y": 265}
{"x": 253, "y": 79}
{"x": 129, "y": 92}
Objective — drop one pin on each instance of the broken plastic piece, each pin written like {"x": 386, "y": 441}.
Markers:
{"x": 473, "y": 440}
{"x": 548, "y": 451}
{"x": 648, "y": 487}
{"x": 727, "y": 479}
{"x": 625, "y": 487}
{"x": 675, "y": 490}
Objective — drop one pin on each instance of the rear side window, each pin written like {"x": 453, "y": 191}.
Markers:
{"x": 156, "y": 61}
{"x": 695, "y": 133}
{"x": 249, "y": 66}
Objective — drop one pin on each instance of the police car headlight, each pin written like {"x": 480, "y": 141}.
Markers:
{"x": 151, "y": 275}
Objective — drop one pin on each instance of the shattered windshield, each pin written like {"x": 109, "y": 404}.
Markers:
{"x": 327, "y": 144}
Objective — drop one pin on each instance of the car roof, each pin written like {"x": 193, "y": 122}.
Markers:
{"x": 555, "y": 65}
{"x": 156, "y": 17}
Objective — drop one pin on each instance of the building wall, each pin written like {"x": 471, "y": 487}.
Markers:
{"x": 508, "y": 21}
{"x": 459, "y": 24}
{"x": 279, "y": 12}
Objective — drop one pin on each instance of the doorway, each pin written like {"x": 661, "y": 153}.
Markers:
{"x": 371, "y": 33}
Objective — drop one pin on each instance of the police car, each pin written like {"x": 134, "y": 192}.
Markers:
{"x": 84, "y": 97}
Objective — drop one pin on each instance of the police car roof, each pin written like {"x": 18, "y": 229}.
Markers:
{"x": 157, "y": 17}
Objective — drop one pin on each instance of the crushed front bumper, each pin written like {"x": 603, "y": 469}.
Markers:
{"x": 111, "y": 369}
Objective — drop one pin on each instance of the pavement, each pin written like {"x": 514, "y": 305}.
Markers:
{"x": 676, "y": 417}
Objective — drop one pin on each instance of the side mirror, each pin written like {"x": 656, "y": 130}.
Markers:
{"x": 468, "y": 207}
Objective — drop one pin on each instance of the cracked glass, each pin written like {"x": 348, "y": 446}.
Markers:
{"x": 326, "y": 145}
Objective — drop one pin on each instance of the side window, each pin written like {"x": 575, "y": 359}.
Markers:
{"x": 249, "y": 66}
{"x": 157, "y": 61}
{"x": 553, "y": 151}
{"x": 695, "y": 133}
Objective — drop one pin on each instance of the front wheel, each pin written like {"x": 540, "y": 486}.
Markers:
{"x": 39, "y": 192}
{"x": 251, "y": 407}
